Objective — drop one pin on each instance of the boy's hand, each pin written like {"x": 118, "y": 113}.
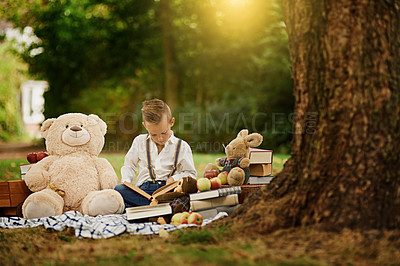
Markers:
{"x": 170, "y": 180}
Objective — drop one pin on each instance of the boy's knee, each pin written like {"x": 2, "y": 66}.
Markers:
{"x": 120, "y": 187}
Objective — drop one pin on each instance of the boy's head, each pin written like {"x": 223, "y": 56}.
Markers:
{"x": 158, "y": 120}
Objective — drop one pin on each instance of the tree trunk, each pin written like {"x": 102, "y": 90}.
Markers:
{"x": 171, "y": 64}
{"x": 344, "y": 169}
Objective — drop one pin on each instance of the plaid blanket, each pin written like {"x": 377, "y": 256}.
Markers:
{"x": 95, "y": 227}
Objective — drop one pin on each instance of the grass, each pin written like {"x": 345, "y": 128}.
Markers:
{"x": 215, "y": 244}
{"x": 9, "y": 169}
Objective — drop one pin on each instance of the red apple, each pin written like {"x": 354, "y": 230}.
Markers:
{"x": 203, "y": 184}
{"x": 210, "y": 174}
{"x": 41, "y": 155}
{"x": 32, "y": 157}
{"x": 195, "y": 218}
{"x": 184, "y": 217}
{"x": 215, "y": 183}
{"x": 223, "y": 176}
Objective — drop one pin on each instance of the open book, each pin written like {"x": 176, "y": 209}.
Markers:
{"x": 162, "y": 190}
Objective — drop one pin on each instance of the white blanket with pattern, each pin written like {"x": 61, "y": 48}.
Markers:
{"x": 96, "y": 227}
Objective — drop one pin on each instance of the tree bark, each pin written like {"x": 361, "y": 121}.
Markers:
{"x": 344, "y": 169}
{"x": 171, "y": 64}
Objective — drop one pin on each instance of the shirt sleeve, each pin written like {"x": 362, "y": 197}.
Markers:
{"x": 185, "y": 163}
{"x": 222, "y": 161}
{"x": 129, "y": 170}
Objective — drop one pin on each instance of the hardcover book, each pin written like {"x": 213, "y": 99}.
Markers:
{"x": 260, "y": 156}
{"x": 229, "y": 200}
{"x": 215, "y": 193}
{"x": 134, "y": 213}
{"x": 211, "y": 213}
{"x": 260, "y": 170}
{"x": 260, "y": 180}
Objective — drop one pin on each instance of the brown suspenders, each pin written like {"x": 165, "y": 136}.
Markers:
{"x": 150, "y": 167}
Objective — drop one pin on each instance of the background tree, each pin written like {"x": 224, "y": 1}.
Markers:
{"x": 171, "y": 64}
{"x": 344, "y": 169}
{"x": 228, "y": 63}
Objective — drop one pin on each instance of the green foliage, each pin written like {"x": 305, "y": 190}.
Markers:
{"x": 240, "y": 72}
{"x": 85, "y": 43}
{"x": 106, "y": 57}
{"x": 12, "y": 73}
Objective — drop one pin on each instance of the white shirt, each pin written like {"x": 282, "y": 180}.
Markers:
{"x": 136, "y": 160}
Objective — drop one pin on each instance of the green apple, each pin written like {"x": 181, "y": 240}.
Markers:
{"x": 203, "y": 184}
{"x": 176, "y": 219}
{"x": 223, "y": 176}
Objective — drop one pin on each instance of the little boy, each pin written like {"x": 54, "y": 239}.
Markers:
{"x": 159, "y": 156}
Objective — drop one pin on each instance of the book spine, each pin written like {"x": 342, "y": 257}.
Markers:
{"x": 229, "y": 191}
{"x": 229, "y": 200}
{"x": 260, "y": 180}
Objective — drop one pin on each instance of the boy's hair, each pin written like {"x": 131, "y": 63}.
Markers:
{"x": 153, "y": 111}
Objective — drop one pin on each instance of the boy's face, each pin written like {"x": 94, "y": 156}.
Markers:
{"x": 160, "y": 133}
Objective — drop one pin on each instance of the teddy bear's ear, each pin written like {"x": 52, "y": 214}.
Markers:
{"x": 243, "y": 133}
{"x": 94, "y": 119}
{"x": 254, "y": 140}
{"x": 46, "y": 125}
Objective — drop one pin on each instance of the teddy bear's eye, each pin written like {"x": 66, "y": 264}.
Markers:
{"x": 81, "y": 125}
{"x": 66, "y": 126}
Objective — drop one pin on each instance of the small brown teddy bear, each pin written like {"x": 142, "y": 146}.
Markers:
{"x": 178, "y": 199}
{"x": 237, "y": 160}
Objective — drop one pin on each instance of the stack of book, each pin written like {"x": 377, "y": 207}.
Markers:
{"x": 260, "y": 166}
{"x": 210, "y": 203}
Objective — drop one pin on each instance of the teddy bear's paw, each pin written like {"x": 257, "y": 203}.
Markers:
{"x": 236, "y": 177}
{"x": 103, "y": 202}
{"x": 211, "y": 166}
{"x": 38, "y": 210}
{"x": 42, "y": 204}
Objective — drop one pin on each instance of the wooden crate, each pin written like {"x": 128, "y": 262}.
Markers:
{"x": 12, "y": 195}
{"x": 247, "y": 190}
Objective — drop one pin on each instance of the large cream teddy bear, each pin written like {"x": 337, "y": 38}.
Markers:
{"x": 237, "y": 161}
{"x": 72, "y": 177}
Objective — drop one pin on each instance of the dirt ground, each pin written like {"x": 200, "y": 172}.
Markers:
{"x": 215, "y": 244}
{"x": 18, "y": 150}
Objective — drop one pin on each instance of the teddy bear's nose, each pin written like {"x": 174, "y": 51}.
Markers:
{"x": 76, "y": 128}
